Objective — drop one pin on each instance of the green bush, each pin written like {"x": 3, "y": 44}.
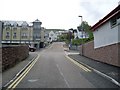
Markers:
{"x": 79, "y": 41}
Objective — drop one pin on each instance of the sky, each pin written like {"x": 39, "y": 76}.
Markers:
{"x": 56, "y": 14}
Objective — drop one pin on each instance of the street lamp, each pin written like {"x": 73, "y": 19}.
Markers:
{"x": 82, "y": 34}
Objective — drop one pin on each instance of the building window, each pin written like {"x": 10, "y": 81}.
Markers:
{"x": 37, "y": 36}
{"x": 14, "y": 35}
{"x": 7, "y": 28}
{"x": 24, "y": 35}
{"x": 113, "y": 22}
{"x": 15, "y": 28}
{"x": 24, "y": 28}
{"x": 7, "y": 34}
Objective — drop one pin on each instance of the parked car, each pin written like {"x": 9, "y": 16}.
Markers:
{"x": 31, "y": 48}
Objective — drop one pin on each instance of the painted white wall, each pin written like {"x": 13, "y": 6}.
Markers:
{"x": 53, "y": 36}
{"x": 105, "y": 35}
{"x": 118, "y": 22}
{"x": 75, "y": 35}
{"x": 79, "y": 34}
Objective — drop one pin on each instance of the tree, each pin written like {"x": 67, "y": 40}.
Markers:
{"x": 86, "y": 29}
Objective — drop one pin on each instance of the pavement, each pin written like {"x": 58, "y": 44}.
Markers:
{"x": 108, "y": 71}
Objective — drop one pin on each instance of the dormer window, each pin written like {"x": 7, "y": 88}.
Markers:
{"x": 7, "y": 27}
{"x": 24, "y": 26}
{"x": 7, "y": 23}
{"x": 15, "y": 26}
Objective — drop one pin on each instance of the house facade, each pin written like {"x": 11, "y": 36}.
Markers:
{"x": 79, "y": 34}
{"x": 15, "y": 32}
{"x": 107, "y": 30}
{"x": 106, "y": 44}
{"x": 52, "y": 34}
{"x": 21, "y": 32}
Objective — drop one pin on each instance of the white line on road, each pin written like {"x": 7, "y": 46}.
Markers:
{"x": 63, "y": 76}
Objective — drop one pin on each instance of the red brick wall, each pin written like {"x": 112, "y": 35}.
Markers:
{"x": 107, "y": 54}
{"x": 11, "y": 55}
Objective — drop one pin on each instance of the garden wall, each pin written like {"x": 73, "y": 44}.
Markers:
{"x": 108, "y": 54}
{"x": 11, "y": 55}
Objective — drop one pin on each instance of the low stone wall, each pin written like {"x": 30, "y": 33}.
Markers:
{"x": 108, "y": 54}
{"x": 11, "y": 55}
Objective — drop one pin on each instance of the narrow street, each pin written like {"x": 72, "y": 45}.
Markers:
{"x": 54, "y": 70}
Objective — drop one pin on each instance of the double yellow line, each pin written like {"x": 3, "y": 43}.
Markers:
{"x": 78, "y": 64}
{"x": 22, "y": 75}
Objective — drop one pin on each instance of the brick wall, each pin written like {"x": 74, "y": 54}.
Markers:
{"x": 11, "y": 55}
{"x": 0, "y": 59}
{"x": 108, "y": 54}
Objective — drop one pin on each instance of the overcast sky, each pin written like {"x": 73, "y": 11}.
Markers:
{"x": 59, "y": 14}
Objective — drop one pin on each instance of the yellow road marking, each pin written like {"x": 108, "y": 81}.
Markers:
{"x": 78, "y": 64}
{"x": 23, "y": 75}
{"x": 17, "y": 81}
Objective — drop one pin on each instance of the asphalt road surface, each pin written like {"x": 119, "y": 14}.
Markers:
{"x": 54, "y": 70}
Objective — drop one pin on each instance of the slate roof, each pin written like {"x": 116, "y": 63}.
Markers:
{"x": 19, "y": 23}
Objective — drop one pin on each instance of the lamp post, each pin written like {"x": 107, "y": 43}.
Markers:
{"x": 82, "y": 34}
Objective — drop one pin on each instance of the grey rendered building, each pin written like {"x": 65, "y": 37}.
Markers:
{"x": 36, "y": 33}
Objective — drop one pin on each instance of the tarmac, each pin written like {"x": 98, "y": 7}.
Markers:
{"x": 108, "y": 71}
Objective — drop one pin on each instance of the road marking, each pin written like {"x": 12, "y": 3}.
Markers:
{"x": 17, "y": 81}
{"x": 32, "y": 80}
{"x": 63, "y": 76}
{"x": 23, "y": 75}
{"x": 98, "y": 72}
{"x": 78, "y": 64}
